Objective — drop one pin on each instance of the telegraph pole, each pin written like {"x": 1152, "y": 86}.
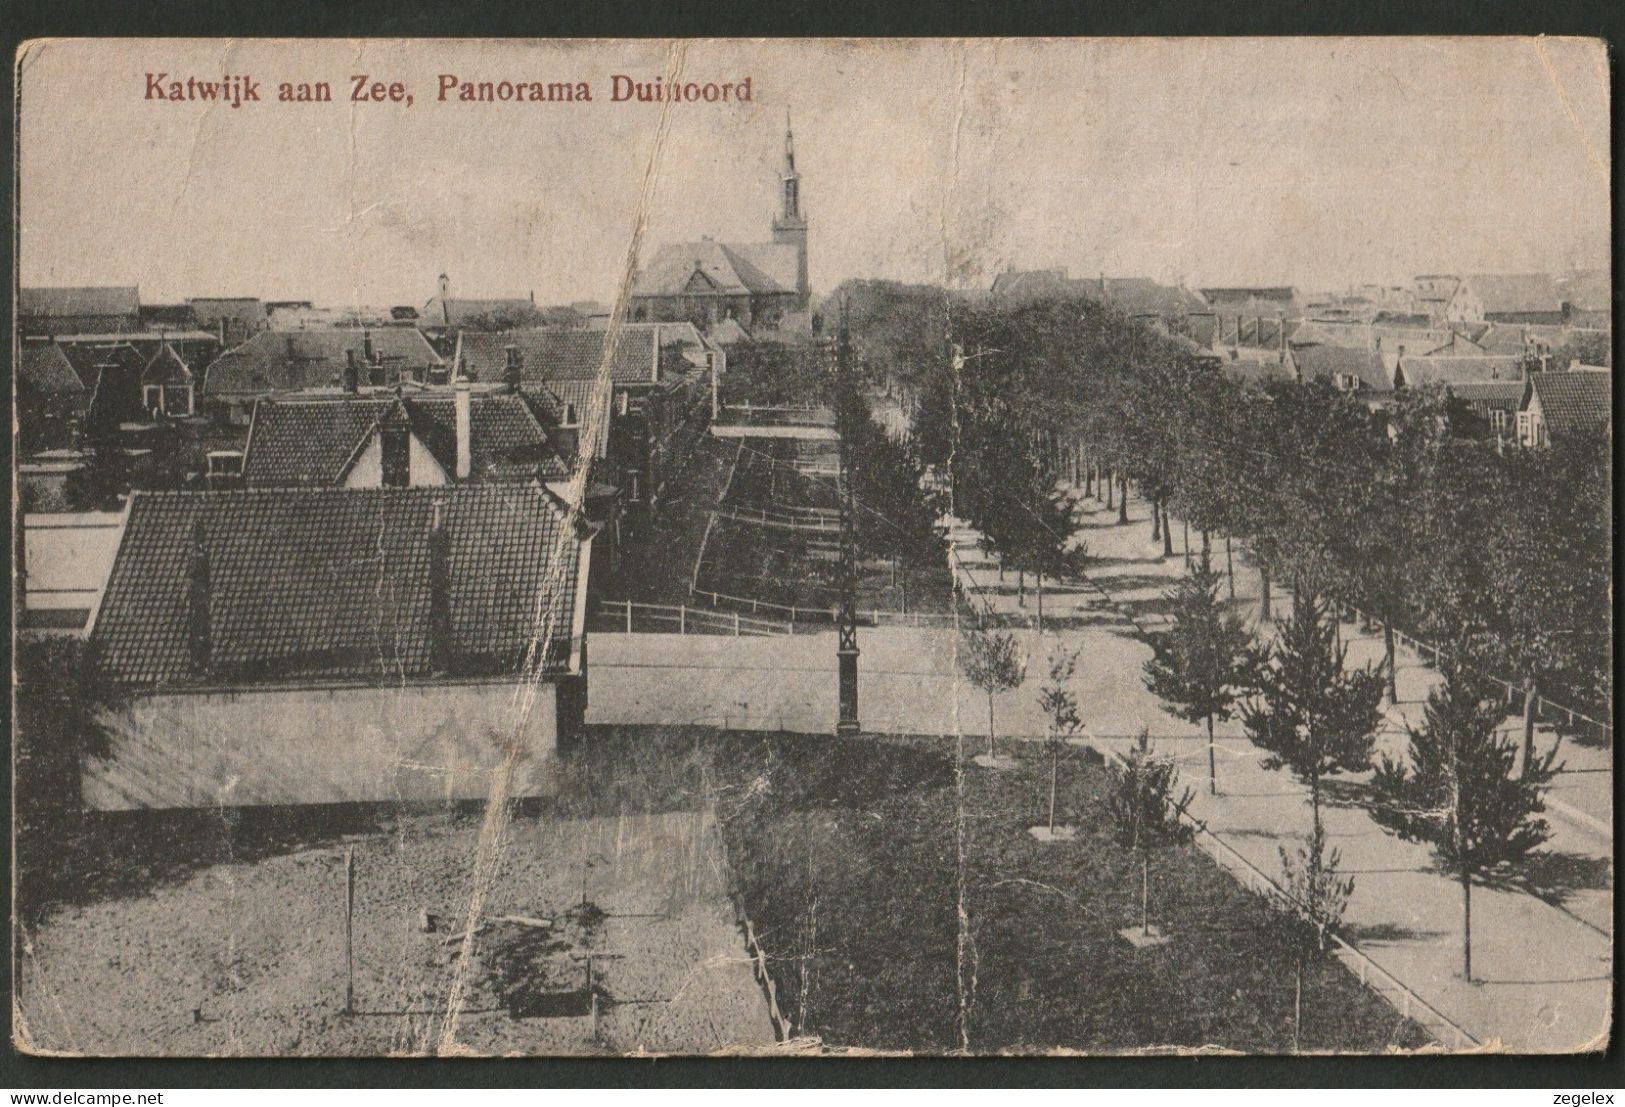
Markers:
{"x": 846, "y": 651}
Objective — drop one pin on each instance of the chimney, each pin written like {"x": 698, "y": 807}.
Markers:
{"x": 533, "y": 297}
{"x": 352, "y": 372}
{"x": 197, "y": 605}
{"x": 513, "y": 371}
{"x": 465, "y": 453}
{"x": 367, "y": 349}
{"x": 440, "y": 640}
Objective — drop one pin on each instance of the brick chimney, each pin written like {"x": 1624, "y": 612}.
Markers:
{"x": 352, "y": 372}
{"x": 198, "y": 628}
{"x": 440, "y": 638}
{"x": 514, "y": 371}
{"x": 465, "y": 430}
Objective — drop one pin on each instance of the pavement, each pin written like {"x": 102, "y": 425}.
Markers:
{"x": 1542, "y": 959}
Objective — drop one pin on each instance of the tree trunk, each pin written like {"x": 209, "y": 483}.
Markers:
{"x": 1531, "y": 699}
{"x": 1212, "y": 767}
{"x": 1393, "y": 674}
{"x": 990, "y": 724}
{"x": 1167, "y": 532}
{"x": 1089, "y": 478}
{"x": 1040, "y": 578}
{"x": 1145, "y": 893}
{"x": 1122, "y": 499}
{"x": 1054, "y": 771}
{"x": 1230, "y": 566}
{"x": 1264, "y": 592}
{"x": 1185, "y": 524}
{"x": 1297, "y": 1006}
{"x": 1207, "y": 550}
{"x": 1156, "y": 522}
{"x": 1021, "y": 588}
{"x": 1466, "y": 925}
{"x": 1109, "y": 490}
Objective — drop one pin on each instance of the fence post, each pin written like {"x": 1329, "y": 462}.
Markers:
{"x": 736, "y": 624}
{"x": 682, "y": 619}
{"x": 629, "y": 616}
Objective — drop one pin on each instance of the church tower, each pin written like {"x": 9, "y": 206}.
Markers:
{"x": 790, "y": 227}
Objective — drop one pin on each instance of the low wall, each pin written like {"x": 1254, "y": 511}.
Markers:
{"x": 319, "y": 745}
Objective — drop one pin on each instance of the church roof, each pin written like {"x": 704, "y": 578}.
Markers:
{"x": 720, "y": 269}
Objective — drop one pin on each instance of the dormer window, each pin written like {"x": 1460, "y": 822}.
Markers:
{"x": 570, "y": 416}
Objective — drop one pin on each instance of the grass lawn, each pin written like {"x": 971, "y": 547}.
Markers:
{"x": 846, "y": 856}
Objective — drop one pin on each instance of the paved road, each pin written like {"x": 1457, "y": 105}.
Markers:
{"x": 1542, "y": 965}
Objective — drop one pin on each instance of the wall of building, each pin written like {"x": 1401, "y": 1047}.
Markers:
{"x": 320, "y": 745}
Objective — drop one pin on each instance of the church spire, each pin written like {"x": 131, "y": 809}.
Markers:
{"x": 791, "y": 180}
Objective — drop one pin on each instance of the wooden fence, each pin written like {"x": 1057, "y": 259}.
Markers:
{"x": 626, "y": 617}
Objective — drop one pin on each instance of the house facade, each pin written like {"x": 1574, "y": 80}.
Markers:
{"x": 1561, "y": 404}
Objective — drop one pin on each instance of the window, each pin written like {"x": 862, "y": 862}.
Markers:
{"x": 1498, "y": 420}
{"x": 570, "y": 416}
{"x": 620, "y": 403}
{"x": 225, "y": 463}
{"x": 152, "y": 398}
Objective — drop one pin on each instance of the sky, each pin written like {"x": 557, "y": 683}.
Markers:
{"x": 1316, "y": 162}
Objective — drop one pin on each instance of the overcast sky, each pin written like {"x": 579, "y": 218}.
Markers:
{"x": 1315, "y": 162}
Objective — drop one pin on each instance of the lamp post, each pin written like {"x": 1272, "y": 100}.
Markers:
{"x": 846, "y": 650}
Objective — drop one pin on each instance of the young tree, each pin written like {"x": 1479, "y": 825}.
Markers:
{"x": 1141, "y": 801}
{"x": 1060, "y": 708}
{"x": 1312, "y": 715}
{"x": 1202, "y": 664}
{"x": 1309, "y": 907}
{"x": 1460, "y": 794}
{"x": 992, "y": 663}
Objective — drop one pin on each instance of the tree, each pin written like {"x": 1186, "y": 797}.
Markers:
{"x": 1142, "y": 804}
{"x": 1312, "y": 715}
{"x": 992, "y": 663}
{"x": 1309, "y": 907}
{"x": 1202, "y": 664}
{"x": 1459, "y": 793}
{"x": 1060, "y": 708}
{"x": 61, "y": 693}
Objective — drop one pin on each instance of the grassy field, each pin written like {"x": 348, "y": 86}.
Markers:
{"x": 850, "y": 858}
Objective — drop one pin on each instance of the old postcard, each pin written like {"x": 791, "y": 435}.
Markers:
{"x": 813, "y": 547}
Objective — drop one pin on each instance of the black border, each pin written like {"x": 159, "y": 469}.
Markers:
{"x": 24, "y": 19}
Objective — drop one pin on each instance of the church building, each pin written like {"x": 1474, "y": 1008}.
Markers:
{"x": 761, "y": 286}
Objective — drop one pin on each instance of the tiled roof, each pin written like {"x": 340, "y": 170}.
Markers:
{"x": 336, "y": 584}
{"x": 1574, "y": 401}
{"x": 1327, "y": 362}
{"x": 1420, "y": 372}
{"x": 1247, "y": 370}
{"x": 49, "y": 302}
{"x": 45, "y": 368}
{"x": 1513, "y": 293}
{"x": 1487, "y": 394}
{"x": 562, "y": 353}
{"x": 729, "y": 269}
{"x": 311, "y": 443}
{"x": 507, "y": 441}
{"x": 290, "y": 361}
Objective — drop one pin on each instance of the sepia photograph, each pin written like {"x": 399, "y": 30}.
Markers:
{"x": 812, "y": 547}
